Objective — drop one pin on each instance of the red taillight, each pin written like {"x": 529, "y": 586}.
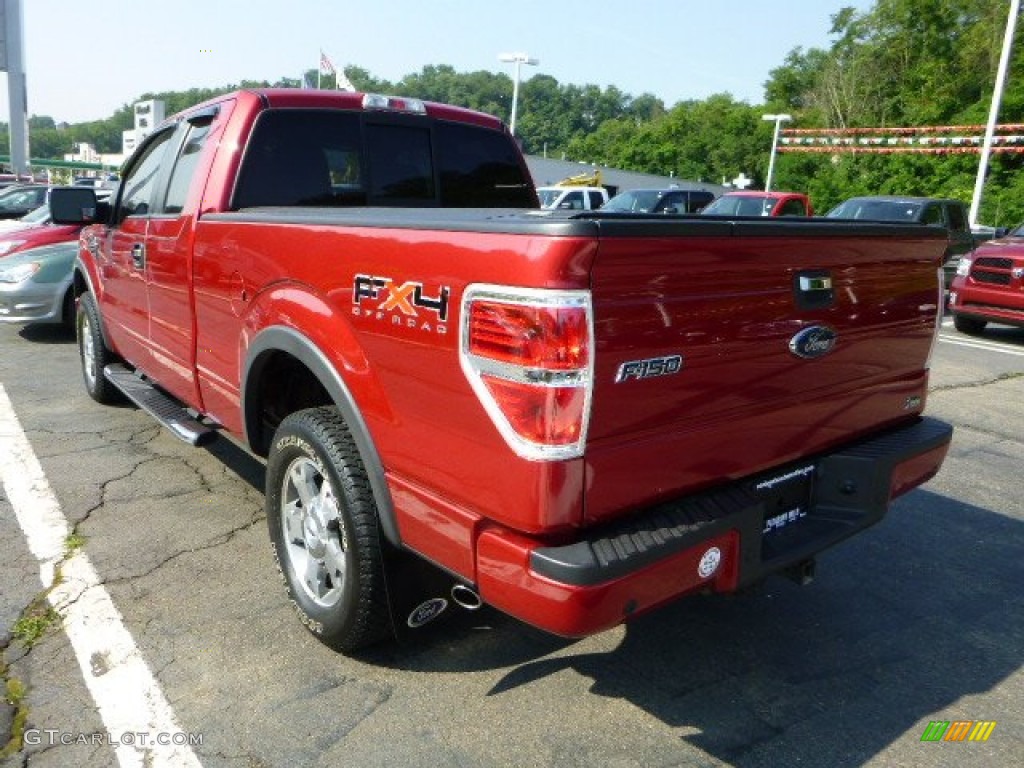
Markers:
{"x": 527, "y": 354}
{"x": 542, "y": 415}
{"x": 555, "y": 338}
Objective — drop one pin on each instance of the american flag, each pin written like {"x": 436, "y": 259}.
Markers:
{"x": 325, "y": 64}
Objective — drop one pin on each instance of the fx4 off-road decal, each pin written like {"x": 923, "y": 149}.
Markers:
{"x": 406, "y": 305}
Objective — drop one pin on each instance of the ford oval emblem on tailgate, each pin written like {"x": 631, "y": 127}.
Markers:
{"x": 815, "y": 341}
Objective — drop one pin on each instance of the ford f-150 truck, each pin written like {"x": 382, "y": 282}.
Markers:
{"x": 573, "y": 418}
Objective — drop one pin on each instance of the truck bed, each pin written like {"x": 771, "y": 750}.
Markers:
{"x": 720, "y": 294}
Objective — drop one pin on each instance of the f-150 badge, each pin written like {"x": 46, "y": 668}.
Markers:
{"x": 649, "y": 368}
{"x": 813, "y": 342}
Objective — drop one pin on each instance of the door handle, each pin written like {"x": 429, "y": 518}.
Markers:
{"x": 139, "y": 255}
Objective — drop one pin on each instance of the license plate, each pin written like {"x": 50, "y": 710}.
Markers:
{"x": 787, "y": 508}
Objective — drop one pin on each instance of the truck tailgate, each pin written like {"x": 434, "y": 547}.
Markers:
{"x": 726, "y": 348}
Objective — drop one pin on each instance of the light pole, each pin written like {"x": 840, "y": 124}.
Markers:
{"x": 993, "y": 113}
{"x": 779, "y": 120}
{"x": 518, "y": 59}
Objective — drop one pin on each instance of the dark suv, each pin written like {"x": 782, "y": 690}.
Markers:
{"x": 667, "y": 201}
{"x": 933, "y": 211}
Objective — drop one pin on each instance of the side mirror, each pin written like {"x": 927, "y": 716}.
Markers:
{"x": 77, "y": 205}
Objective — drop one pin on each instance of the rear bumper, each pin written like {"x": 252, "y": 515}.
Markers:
{"x": 716, "y": 541}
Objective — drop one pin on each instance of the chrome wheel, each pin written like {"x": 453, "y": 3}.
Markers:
{"x": 94, "y": 352}
{"x": 313, "y": 532}
{"x": 323, "y": 524}
{"x": 88, "y": 352}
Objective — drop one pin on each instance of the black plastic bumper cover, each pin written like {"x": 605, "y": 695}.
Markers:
{"x": 782, "y": 516}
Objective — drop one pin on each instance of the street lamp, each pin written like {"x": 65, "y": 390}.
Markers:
{"x": 518, "y": 59}
{"x": 779, "y": 120}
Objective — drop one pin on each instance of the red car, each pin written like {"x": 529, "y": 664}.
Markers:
{"x": 33, "y": 230}
{"x": 989, "y": 285}
{"x": 756, "y": 203}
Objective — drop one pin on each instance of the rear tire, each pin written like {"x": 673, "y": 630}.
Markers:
{"x": 969, "y": 325}
{"x": 94, "y": 353}
{"x": 323, "y": 525}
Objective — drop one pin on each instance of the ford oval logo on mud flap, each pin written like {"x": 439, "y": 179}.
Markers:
{"x": 815, "y": 341}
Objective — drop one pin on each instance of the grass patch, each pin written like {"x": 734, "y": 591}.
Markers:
{"x": 14, "y": 692}
{"x": 73, "y": 541}
{"x": 34, "y": 623}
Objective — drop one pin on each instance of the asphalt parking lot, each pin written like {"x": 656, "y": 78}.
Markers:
{"x": 920, "y": 619}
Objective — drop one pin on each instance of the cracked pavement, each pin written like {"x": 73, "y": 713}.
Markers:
{"x": 918, "y": 619}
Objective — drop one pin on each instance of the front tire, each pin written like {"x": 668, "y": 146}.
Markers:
{"x": 969, "y": 325}
{"x": 323, "y": 526}
{"x": 94, "y": 353}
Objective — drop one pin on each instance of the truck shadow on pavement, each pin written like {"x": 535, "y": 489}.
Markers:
{"x": 1003, "y": 333}
{"x": 47, "y": 334}
{"x": 902, "y": 623}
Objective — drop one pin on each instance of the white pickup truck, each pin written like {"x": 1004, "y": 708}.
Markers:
{"x": 572, "y": 198}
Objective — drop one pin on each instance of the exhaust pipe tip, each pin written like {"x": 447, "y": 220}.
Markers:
{"x": 803, "y": 572}
{"x": 466, "y": 597}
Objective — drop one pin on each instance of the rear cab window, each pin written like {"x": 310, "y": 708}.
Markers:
{"x": 330, "y": 158}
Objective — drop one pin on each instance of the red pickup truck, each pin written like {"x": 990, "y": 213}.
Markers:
{"x": 756, "y": 203}
{"x": 989, "y": 285}
{"x": 573, "y": 418}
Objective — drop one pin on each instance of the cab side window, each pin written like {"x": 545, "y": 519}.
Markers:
{"x": 671, "y": 202}
{"x": 793, "y": 207}
{"x": 957, "y": 220}
{"x": 185, "y": 168}
{"x": 698, "y": 199}
{"x": 140, "y": 181}
{"x": 573, "y": 201}
{"x": 933, "y": 216}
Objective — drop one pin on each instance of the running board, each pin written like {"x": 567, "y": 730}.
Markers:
{"x": 160, "y": 406}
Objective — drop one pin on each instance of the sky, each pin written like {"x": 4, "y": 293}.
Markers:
{"x": 84, "y": 60}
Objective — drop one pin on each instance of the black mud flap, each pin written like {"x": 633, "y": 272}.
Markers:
{"x": 419, "y": 593}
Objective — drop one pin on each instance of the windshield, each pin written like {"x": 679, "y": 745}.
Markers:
{"x": 635, "y": 201}
{"x": 741, "y": 205}
{"x": 876, "y": 210}
{"x": 22, "y": 198}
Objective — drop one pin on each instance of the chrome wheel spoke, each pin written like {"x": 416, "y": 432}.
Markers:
{"x": 303, "y": 478}
{"x": 315, "y": 578}
{"x": 334, "y": 562}
{"x": 292, "y": 515}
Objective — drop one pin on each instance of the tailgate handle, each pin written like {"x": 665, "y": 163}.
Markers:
{"x": 815, "y": 283}
{"x": 812, "y": 289}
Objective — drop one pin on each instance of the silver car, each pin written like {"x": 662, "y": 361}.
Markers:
{"x": 36, "y": 285}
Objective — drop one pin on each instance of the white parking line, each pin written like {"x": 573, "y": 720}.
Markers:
{"x": 141, "y": 726}
{"x": 989, "y": 346}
